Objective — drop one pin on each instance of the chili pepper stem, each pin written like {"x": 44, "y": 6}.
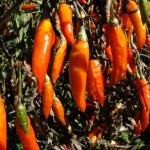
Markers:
{"x": 82, "y": 34}
{"x": 19, "y": 84}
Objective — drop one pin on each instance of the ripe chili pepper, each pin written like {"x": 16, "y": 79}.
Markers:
{"x": 89, "y": 89}
{"x": 126, "y": 21}
{"x": 138, "y": 122}
{"x": 93, "y": 139}
{"x": 59, "y": 110}
{"x": 129, "y": 33}
{"x": 100, "y": 133}
{"x": 78, "y": 67}
{"x": 3, "y": 126}
{"x": 109, "y": 53}
{"x": 143, "y": 91}
{"x": 135, "y": 17}
{"x": 143, "y": 5}
{"x": 47, "y": 97}
{"x": 66, "y": 24}
{"x": 144, "y": 119}
{"x": 94, "y": 131}
{"x": 42, "y": 50}
{"x": 118, "y": 44}
{"x": 138, "y": 128}
{"x": 58, "y": 60}
{"x": 148, "y": 42}
{"x": 131, "y": 60}
{"x": 28, "y": 6}
{"x": 82, "y": 1}
{"x": 56, "y": 43}
{"x": 28, "y": 140}
{"x": 96, "y": 80}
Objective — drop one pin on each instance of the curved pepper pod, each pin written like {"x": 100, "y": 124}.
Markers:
{"x": 66, "y": 24}
{"x": 47, "y": 97}
{"x": 144, "y": 119}
{"x": 43, "y": 42}
{"x": 118, "y": 44}
{"x": 96, "y": 80}
{"x": 58, "y": 60}
{"x": 28, "y": 140}
{"x": 59, "y": 110}
{"x": 135, "y": 17}
{"x": 143, "y": 92}
{"x": 3, "y": 126}
{"x": 78, "y": 67}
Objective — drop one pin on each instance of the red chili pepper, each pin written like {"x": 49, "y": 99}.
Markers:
{"x": 28, "y": 6}
{"x": 66, "y": 24}
{"x": 82, "y": 1}
{"x": 118, "y": 44}
{"x": 43, "y": 43}
{"x": 135, "y": 17}
{"x": 78, "y": 67}
{"x": 96, "y": 80}
{"x": 3, "y": 126}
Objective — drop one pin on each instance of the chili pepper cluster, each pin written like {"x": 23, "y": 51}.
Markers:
{"x": 99, "y": 48}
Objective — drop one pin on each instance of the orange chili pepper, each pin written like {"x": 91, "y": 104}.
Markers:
{"x": 43, "y": 43}
{"x": 78, "y": 67}
{"x": 28, "y": 140}
{"x": 126, "y": 21}
{"x": 3, "y": 126}
{"x": 89, "y": 89}
{"x": 131, "y": 60}
{"x": 94, "y": 131}
{"x": 118, "y": 44}
{"x": 148, "y": 42}
{"x": 66, "y": 24}
{"x": 96, "y": 80}
{"x": 58, "y": 60}
{"x": 129, "y": 33}
{"x": 135, "y": 17}
{"x": 138, "y": 122}
{"x": 143, "y": 91}
{"x": 47, "y": 96}
{"x": 138, "y": 128}
{"x": 109, "y": 53}
{"x": 144, "y": 119}
{"x": 59, "y": 110}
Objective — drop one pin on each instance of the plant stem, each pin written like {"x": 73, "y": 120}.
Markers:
{"x": 19, "y": 84}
